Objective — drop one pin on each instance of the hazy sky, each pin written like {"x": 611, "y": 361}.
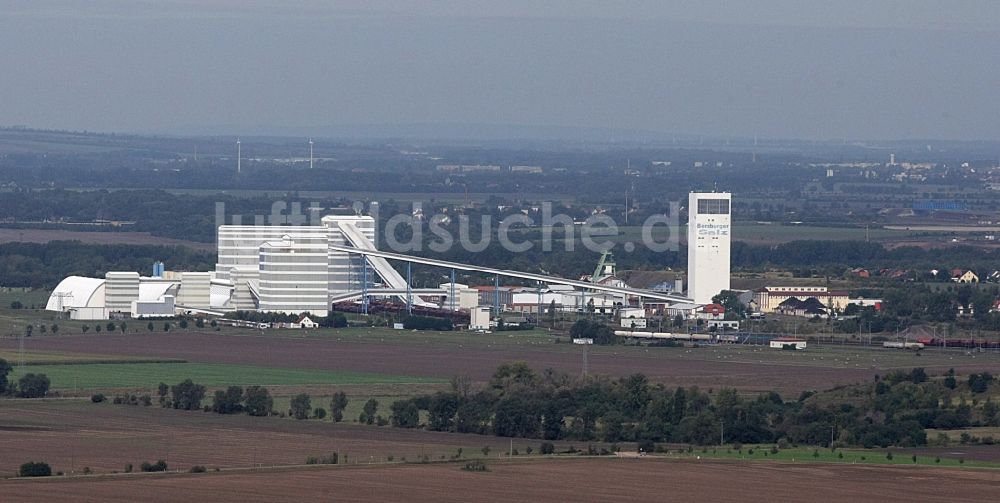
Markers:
{"x": 790, "y": 69}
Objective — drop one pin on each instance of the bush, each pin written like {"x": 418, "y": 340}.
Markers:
{"x": 546, "y": 448}
{"x": 319, "y": 412}
{"x": 34, "y": 469}
{"x": 645, "y": 446}
{"x": 332, "y": 459}
{"x": 159, "y": 466}
{"x": 97, "y": 398}
{"x": 427, "y": 323}
{"x": 475, "y": 466}
{"x": 197, "y": 469}
{"x": 128, "y": 468}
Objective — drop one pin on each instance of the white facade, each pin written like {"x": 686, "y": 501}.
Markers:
{"x": 120, "y": 289}
{"x": 195, "y": 290}
{"x": 239, "y": 245}
{"x": 479, "y": 318}
{"x": 162, "y": 307}
{"x": 709, "y": 238}
{"x": 293, "y": 275}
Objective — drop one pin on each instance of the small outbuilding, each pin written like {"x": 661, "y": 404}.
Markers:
{"x": 788, "y": 343}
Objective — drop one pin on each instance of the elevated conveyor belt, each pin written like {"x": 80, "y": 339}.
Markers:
{"x": 381, "y": 265}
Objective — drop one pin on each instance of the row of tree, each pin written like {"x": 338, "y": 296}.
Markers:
{"x": 521, "y": 403}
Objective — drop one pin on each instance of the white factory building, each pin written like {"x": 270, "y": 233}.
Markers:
{"x": 709, "y": 238}
{"x": 118, "y": 292}
{"x": 287, "y": 269}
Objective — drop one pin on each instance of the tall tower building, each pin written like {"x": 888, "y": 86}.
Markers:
{"x": 709, "y": 236}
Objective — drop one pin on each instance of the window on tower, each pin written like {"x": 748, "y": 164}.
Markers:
{"x": 713, "y": 206}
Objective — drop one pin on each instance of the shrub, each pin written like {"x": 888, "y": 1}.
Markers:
{"x": 475, "y": 466}
{"x": 128, "y": 468}
{"x": 97, "y": 398}
{"x": 159, "y": 466}
{"x": 34, "y": 469}
{"x": 197, "y": 469}
{"x": 546, "y": 448}
{"x": 332, "y": 459}
{"x": 645, "y": 446}
{"x": 888, "y": 456}
{"x": 427, "y": 323}
{"x": 319, "y": 412}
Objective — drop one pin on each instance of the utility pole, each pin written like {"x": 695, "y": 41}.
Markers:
{"x": 364, "y": 285}
{"x": 496, "y": 295}
{"x": 409, "y": 290}
{"x": 451, "y": 296}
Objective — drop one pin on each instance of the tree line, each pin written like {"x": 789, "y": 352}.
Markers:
{"x": 43, "y": 265}
{"x": 518, "y": 402}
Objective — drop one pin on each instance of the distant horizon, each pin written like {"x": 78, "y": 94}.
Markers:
{"x": 403, "y": 131}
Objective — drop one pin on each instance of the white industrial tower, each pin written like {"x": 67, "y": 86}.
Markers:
{"x": 310, "y": 153}
{"x": 239, "y": 155}
{"x": 709, "y": 237}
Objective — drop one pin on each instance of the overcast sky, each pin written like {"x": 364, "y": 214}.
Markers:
{"x": 791, "y": 69}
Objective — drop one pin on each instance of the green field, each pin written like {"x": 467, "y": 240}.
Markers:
{"x": 824, "y": 455}
{"x": 147, "y": 375}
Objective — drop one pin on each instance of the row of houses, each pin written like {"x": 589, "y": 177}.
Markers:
{"x": 956, "y": 275}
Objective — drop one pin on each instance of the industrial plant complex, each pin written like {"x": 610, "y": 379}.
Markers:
{"x": 336, "y": 266}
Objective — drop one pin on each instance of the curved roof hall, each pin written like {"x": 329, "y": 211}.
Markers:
{"x": 76, "y": 291}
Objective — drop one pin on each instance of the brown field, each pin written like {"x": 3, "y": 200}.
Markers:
{"x": 100, "y": 238}
{"x": 414, "y": 355}
{"x": 582, "y": 480}
{"x": 73, "y": 434}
